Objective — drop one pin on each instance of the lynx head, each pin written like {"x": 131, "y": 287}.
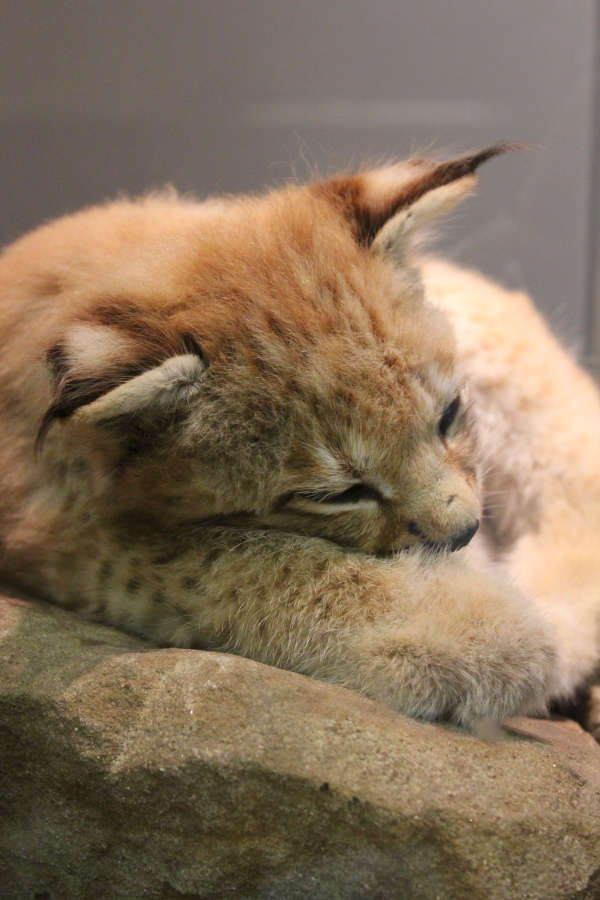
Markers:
{"x": 271, "y": 362}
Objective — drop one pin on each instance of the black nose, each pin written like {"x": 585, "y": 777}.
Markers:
{"x": 462, "y": 539}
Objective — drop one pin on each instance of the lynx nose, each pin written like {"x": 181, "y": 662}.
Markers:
{"x": 462, "y": 539}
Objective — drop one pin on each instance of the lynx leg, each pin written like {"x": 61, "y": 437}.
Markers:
{"x": 426, "y": 635}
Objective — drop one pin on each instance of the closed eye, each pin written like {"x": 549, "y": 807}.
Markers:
{"x": 353, "y": 494}
{"x": 331, "y": 502}
{"x": 448, "y": 417}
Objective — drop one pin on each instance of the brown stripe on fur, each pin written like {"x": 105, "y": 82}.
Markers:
{"x": 150, "y": 328}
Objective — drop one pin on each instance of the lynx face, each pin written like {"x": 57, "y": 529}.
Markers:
{"x": 279, "y": 368}
{"x": 363, "y": 438}
{"x": 357, "y": 437}
{"x": 385, "y": 467}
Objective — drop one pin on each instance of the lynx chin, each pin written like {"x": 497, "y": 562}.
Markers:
{"x": 265, "y": 425}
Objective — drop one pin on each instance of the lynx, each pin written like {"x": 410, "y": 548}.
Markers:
{"x": 265, "y": 425}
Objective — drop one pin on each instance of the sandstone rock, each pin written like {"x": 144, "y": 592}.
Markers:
{"x": 132, "y": 772}
{"x": 593, "y": 712}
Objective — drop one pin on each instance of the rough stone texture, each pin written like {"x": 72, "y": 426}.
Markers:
{"x": 131, "y": 772}
{"x": 593, "y": 712}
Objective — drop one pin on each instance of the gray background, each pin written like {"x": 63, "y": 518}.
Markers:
{"x": 99, "y": 97}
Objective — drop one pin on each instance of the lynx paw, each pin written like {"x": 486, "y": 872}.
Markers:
{"x": 484, "y": 657}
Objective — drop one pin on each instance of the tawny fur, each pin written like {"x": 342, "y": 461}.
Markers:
{"x": 238, "y": 408}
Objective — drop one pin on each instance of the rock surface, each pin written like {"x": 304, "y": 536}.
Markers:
{"x": 131, "y": 772}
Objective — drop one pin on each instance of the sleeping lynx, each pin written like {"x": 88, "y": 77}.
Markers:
{"x": 247, "y": 424}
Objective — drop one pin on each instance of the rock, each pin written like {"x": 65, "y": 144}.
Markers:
{"x": 593, "y": 711}
{"x": 132, "y": 772}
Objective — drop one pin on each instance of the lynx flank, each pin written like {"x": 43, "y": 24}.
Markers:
{"x": 262, "y": 425}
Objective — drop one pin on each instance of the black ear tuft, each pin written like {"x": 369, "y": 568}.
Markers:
{"x": 368, "y": 202}
{"x": 445, "y": 173}
{"x": 191, "y": 345}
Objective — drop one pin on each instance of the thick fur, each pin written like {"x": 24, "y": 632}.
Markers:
{"x": 260, "y": 429}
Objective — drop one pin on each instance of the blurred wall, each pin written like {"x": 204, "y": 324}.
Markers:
{"x": 99, "y": 97}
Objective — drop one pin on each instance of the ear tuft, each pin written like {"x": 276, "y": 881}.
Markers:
{"x": 371, "y": 199}
{"x": 191, "y": 345}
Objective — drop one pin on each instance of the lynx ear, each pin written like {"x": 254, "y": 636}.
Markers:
{"x": 93, "y": 385}
{"x": 385, "y": 206}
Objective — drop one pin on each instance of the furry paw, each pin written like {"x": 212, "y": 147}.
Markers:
{"x": 483, "y": 655}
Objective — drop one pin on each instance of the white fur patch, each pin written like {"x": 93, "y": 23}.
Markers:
{"x": 90, "y": 349}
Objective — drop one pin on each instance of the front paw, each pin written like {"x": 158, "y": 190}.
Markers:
{"x": 486, "y": 654}
{"x": 438, "y": 683}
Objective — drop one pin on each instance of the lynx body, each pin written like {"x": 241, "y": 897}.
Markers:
{"x": 262, "y": 425}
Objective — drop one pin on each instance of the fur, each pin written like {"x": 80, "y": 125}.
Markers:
{"x": 262, "y": 425}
